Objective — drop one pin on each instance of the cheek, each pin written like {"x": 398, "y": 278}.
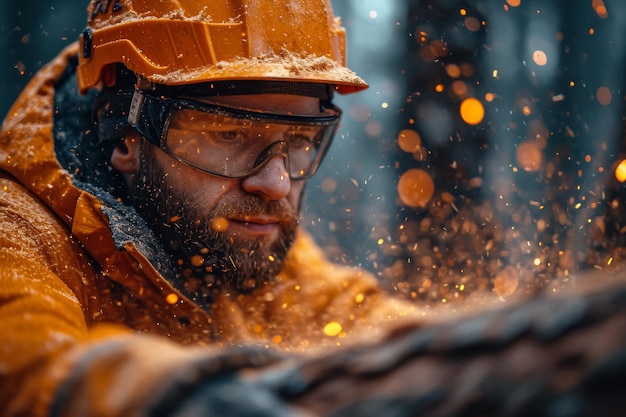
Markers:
{"x": 201, "y": 188}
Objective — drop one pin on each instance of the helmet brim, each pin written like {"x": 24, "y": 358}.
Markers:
{"x": 295, "y": 69}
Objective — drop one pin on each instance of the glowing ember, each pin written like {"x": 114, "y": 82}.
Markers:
{"x": 197, "y": 261}
{"x": 219, "y": 224}
{"x": 416, "y": 188}
{"x": 506, "y": 282}
{"x": 171, "y": 298}
{"x": 472, "y": 111}
{"x": 332, "y": 329}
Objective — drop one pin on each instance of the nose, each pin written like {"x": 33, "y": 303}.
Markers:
{"x": 271, "y": 182}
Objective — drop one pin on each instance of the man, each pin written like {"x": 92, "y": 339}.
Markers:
{"x": 150, "y": 186}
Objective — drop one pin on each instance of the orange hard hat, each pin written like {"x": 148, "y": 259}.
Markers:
{"x": 181, "y": 42}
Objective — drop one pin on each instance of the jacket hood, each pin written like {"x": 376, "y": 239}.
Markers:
{"x": 26, "y": 145}
{"x": 48, "y": 144}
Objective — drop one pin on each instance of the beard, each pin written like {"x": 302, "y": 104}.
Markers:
{"x": 209, "y": 258}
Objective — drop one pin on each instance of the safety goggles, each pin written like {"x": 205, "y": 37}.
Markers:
{"x": 230, "y": 142}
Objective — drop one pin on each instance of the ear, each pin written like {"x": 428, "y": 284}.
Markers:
{"x": 125, "y": 156}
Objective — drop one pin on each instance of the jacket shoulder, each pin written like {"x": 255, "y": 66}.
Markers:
{"x": 33, "y": 231}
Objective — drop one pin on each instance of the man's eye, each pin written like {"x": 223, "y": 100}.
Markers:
{"x": 232, "y": 136}
{"x": 300, "y": 140}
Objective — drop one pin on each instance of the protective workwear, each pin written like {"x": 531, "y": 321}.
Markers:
{"x": 181, "y": 42}
{"x": 234, "y": 143}
{"x": 90, "y": 325}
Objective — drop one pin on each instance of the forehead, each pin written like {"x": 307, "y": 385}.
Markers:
{"x": 270, "y": 103}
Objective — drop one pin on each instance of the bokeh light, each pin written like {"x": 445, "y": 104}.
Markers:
{"x": 472, "y": 111}
{"x": 600, "y": 8}
{"x": 540, "y": 58}
{"x": 604, "y": 96}
{"x": 409, "y": 140}
{"x": 529, "y": 155}
{"x": 416, "y": 188}
{"x": 620, "y": 171}
{"x": 506, "y": 282}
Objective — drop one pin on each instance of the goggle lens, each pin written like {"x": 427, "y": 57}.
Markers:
{"x": 235, "y": 143}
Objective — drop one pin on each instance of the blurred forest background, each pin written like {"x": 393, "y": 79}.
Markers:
{"x": 484, "y": 160}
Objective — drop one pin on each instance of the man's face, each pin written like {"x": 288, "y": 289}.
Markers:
{"x": 223, "y": 231}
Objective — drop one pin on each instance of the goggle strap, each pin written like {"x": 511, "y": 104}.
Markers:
{"x": 147, "y": 115}
{"x": 229, "y": 88}
{"x": 136, "y": 105}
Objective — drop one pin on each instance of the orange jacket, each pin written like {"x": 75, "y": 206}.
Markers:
{"x": 91, "y": 329}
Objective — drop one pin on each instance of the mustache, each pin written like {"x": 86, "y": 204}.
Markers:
{"x": 254, "y": 206}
